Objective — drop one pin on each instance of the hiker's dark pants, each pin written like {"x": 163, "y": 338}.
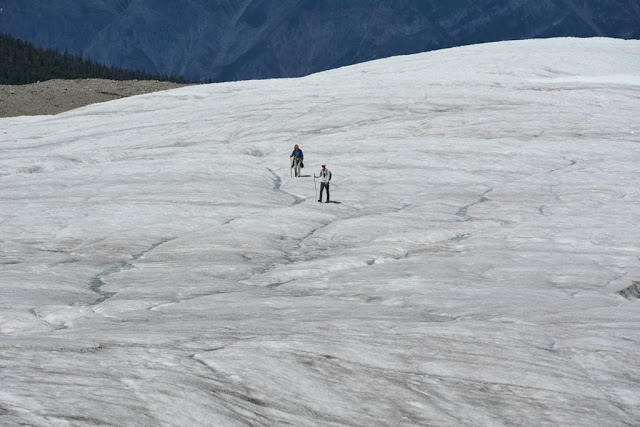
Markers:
{"x": 324, "y": 185}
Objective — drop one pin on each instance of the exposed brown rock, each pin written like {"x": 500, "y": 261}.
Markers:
{"x": 56, "y": 96}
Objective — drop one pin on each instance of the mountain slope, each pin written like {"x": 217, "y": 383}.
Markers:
{"x": 22, "y": 63}
{"x": 222, "y": 40}
{"x": 479, "y": 264}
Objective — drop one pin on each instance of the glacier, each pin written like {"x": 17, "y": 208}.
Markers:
{"x": 479, "y": 263}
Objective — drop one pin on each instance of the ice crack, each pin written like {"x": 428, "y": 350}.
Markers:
{"x": 278, "y": 187}
{"x": 463, "y": 211}
{"x": 97, "y": 281}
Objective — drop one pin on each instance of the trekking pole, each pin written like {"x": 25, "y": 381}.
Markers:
{"x": 291, "y": 168}
{"x": 314, "y": 184}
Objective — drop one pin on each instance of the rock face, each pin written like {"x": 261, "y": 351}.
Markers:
{"x": 221, "y": 40}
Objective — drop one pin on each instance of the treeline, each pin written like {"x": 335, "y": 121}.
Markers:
{"x": 23, "y": 63}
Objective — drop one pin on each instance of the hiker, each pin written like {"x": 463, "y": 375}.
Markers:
{"x": 298, "y": 158}
{"x": 325, "y": 177}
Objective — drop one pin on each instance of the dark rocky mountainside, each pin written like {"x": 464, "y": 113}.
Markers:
{"x": 221, "y": 40}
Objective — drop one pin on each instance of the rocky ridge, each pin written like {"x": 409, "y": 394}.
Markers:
{"x": 56, "y": 96}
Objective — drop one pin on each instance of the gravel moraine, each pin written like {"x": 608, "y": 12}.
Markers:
{"x": 56, "y": 96}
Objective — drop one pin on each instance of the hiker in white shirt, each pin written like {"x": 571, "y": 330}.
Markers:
{"x": 325, "y": 177}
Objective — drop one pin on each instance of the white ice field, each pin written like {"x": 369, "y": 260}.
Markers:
{"x": 479, "y": 264}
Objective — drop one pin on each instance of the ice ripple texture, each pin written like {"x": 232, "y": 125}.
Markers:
{"x": 480, "y": 264}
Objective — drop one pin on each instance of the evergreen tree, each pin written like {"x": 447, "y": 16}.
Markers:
{"x": 23, "y": 63}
